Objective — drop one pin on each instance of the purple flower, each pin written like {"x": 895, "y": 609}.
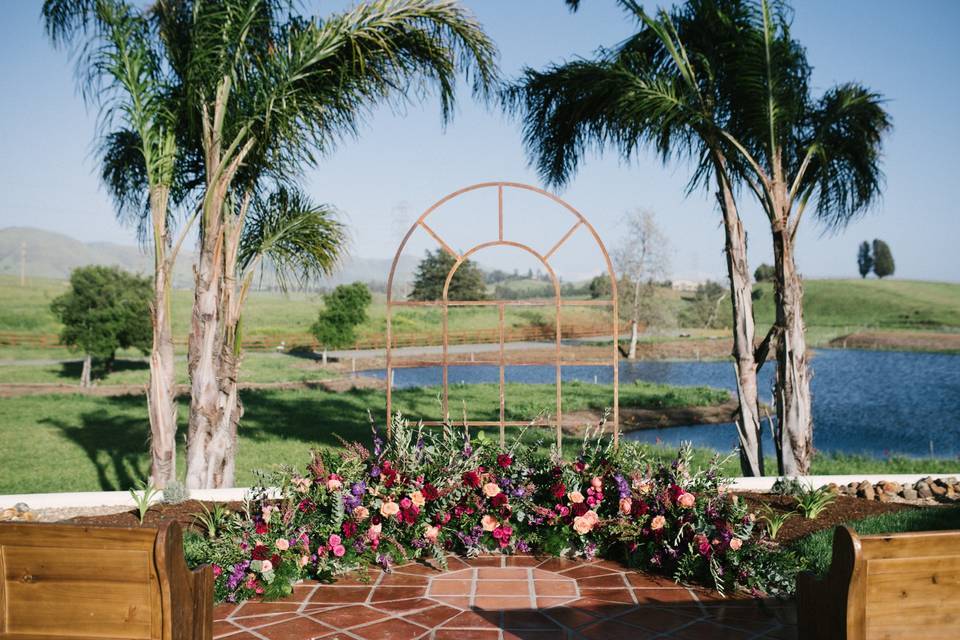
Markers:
{"x": 522, "y": 547}
{"x": 622, "y": 485}
{"x": 374, "y": 471}
{"x": 358, "y": 488}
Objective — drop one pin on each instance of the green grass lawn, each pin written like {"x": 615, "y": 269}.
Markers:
{"x": 85, "y": 443}
{"x": 817, "y": 548}
{"x": 257, "y": 367}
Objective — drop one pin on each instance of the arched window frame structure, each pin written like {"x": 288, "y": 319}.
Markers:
{"x": 578, "y": 221}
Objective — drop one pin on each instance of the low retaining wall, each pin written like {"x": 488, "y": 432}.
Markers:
{"x": 123, "y": 498}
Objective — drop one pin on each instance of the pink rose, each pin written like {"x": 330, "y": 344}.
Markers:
{"x": 339, "y": 550}
{"x": 303, "y": 561}
{"x": 334, "y": 482}
{"x": 575, "y": 497}
{"x": 582, "y": 525}
{"x": 282, "y": 544}
{"x": 626, "y": 504}
{"x": 431, "y": 534}
{"x": 597, "y": 483}
{"x": 686, "y": 500}
{"x": 217, "y": 570}
{"x": 735, "y": 544}
{"x": 657, "y": 523}
{"x": 333, "y": 540}
{"x": 266, "y": 566}
{"x": 406, "y": 503}
{"x": 491, "y": 489}
{"x": 374, "y": 531}
{"x": 489, "y": 523}
{"x": 591, "y": 517}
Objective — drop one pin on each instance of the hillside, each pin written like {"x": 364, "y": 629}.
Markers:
{"x": 53, "y": 255}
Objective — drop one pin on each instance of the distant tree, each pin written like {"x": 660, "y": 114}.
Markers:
{"x": 864, "y": 259}
{"x": 105, "y": 309}
{"x": 703, "y": 311}
{"x": 600, "y": 287}
{"x": 344, "y": 309}
{"x": 467, "y": 282}
{"x": 882, "y": 259}
{"x": 641, "y": 259}
{"x": 764, "y": 273}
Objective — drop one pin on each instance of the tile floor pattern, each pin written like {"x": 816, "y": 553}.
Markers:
{"x": 506, "y": 598}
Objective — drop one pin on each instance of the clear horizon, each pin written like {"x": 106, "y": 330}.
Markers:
{"x": 404, "y": 161}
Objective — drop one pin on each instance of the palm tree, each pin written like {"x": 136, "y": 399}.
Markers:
{"x": 122, "y": 72}
{"x": 269, "y": 91}
{"x": 659, "y": 89}
{"x": 793, "y": 149}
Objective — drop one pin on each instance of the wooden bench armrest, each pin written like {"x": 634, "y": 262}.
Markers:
{"x": 188, "y": 595}
{"x": 822, "y": 603}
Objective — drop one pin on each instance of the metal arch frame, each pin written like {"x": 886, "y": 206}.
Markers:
{"x": 445, "y": 304}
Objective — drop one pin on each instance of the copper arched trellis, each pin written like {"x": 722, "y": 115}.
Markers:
{"x": 445, "y": 304}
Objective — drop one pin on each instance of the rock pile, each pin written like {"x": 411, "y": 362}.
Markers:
{"x": 19, "y": 512}
{"x": 926, "y": 490}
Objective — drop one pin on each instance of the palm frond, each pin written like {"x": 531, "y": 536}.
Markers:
{"x": 296, "y": 238}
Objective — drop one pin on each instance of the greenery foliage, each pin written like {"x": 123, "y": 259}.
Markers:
{"x": 104, "y": 310}
{"x": 883, "y": 264}
{"x": 764, "y": 273}
{"x": 467, "y": 283}
{"x": 344, "y": 309}
{"x": 864, "y": 259}
{"x": 704, "y": 308}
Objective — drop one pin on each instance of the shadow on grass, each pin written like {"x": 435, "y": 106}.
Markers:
{"x": 72, "y": 369}
{"x": 116, "y": 442}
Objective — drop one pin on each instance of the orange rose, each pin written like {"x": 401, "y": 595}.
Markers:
{"x": 575, "y": 497}
{"x": 489, "y": 523}
{"x": 491, "y": 489}
{"x": 657, "y": 523}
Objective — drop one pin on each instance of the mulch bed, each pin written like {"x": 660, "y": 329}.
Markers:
{"x": 184, "y": 513}
{"x": 843, "y": 509}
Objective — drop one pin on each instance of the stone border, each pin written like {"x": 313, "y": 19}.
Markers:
{"x": 123, "y": 498}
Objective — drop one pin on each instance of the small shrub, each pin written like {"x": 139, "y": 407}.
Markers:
{"x": 144, "y": 499}
{"x": 214, "y": 521}
{"x": 175, "y": 493}
{"x": 812, "y": 502}
{"x": 790, "y": 487}
{"x": 774, "y": 520}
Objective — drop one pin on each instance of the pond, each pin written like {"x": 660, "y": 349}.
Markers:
{"x": 878, "y": 403}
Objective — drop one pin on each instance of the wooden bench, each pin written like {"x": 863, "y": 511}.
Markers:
{"x": 73, "y": 581}
{"x": 890, "y": 587}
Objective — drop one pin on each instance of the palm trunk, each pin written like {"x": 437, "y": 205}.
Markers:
{"x": 204, "y": 352}
{"x": 793, "y": 399}
{"x": 744, "y": 330}
{"x": 161, "y": 391}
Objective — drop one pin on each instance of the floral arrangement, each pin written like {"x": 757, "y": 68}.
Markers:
{"x": 426, "y": 494}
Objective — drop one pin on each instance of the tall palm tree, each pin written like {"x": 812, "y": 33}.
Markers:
{"x": 793, "y": 150}
{"x": 660, "y": 89}
{"x": 122, "y": 72}
{"x": 269, "y": 92}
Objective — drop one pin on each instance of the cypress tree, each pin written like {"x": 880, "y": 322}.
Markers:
{"x": 864, "y": 259}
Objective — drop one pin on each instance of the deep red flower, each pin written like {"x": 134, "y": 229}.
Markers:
{"x": 471, "y": 479}
{"x": 306, "y": 506}
{"x": 504, "y": 460}
{"x": 409, "y": 515}
{"x": 639, "y": 508}
{"x": 260, "y": 552}
{"x": 579, "y": 508}
{"x": 429, "y": 492}
{"x": 579, "y": 466}
{"x": 558, "y": 490}
{"x": 389, "y": 474}
{"x": 261, "y": 527}
{"x": 275, "y": 560}
{"x": 499, "y": 500}
{"x": 349, "y": 528}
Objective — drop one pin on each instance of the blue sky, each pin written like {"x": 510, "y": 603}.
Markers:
{"x": 404, "y": 161}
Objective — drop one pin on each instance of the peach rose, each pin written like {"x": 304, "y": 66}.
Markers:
{"x": 626, "y": 504}
{"x": 431, "y": 534}
{"x": 735, "y": 544}
{"x": 596, "y": 483}
{"x": 334, "y": 483}
{"x": 491, "y": 489}
{"x": 417, "y": 498}
{"x": 303, "y": 561}
{"x": 657, "y": 523}
{"x": 686, "y": 500}
{"x": 582, "y": 525}
{"x": 389, "y": 509}
{"x": 489, "y": 523}
{"x": 361, "y": 513}
{"x": 575, "y": 496}
{"x": 282, "y": 544}
{"x": 591, "y": 517}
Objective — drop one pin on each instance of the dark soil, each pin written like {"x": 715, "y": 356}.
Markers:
{"x": 184, "y": 513}
{"x": 843, "y": 509}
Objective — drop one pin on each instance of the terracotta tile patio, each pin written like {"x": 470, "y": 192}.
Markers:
{"x": 506, "y": 598}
